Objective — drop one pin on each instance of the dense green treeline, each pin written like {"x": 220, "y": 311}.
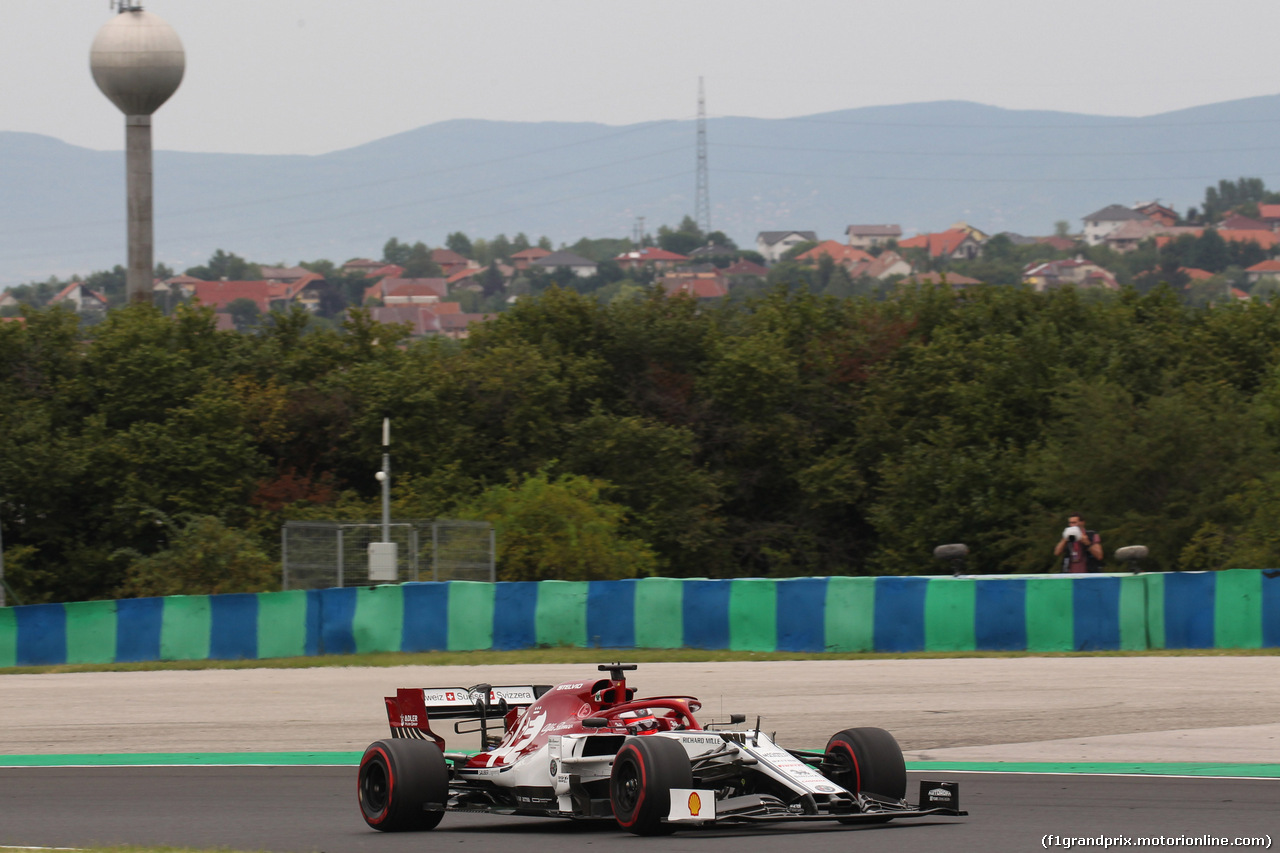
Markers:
{"x": 789, "y": 434}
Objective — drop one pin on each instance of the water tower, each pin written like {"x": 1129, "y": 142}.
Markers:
{"x": 137, "y": 62}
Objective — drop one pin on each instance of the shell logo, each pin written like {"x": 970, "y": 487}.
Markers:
{"x": 695, "y": 803}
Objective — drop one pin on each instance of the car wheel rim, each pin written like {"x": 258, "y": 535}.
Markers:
{"x": 373, "y": 787}
{"x": 628, "y": 788}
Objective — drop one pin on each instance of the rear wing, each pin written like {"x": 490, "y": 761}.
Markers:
{"x": 411, "y": 709}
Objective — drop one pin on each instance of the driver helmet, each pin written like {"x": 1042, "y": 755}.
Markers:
{"x": 645, "y": 725}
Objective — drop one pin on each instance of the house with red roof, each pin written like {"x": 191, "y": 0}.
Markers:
{"x": 1157, "y": 212}
{"x": 1264, "y": 269}
{"x": 743, "y": 268}
{"x": 437, "y": 318}
{"x": 407, "y": 291}
{"x": 958, "y": 244}
{"x": 81, "y": 299}
{"x": 1074, "y": 271}
{"x": 842, "y": 253}
{"x": 451, "y": 262}
{"x": 521, "y": 259}
{"x": 1270, "y": 214}
{"x": 650, "y": 256}
{"x": 220, "y": 294}
{"x": 882, "y": 266}
{"x": 870, "y": 236}
{"x": 1240, "y": 222}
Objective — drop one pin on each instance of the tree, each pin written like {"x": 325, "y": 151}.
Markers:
{"x": 244, "y": 313}
{"x": 419, "y": 263}
{"x": 519, "y": 243}
{"x": 229, "y": 266}
{"x": 202, "y": 557}
{"x": 560, "y": 529}
{"x": 460, "y": 243}
{"x": 395, "y": 252}
{"x": 682, "y": 240}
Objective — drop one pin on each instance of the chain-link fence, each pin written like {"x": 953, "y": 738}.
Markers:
{"x": 322, "y": 554}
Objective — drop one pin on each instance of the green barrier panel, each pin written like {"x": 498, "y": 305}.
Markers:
{"x": 948, "y": 615}
{"x": 470, "y": 616}
{"x": 659, "y": 613}
{"x": 1237, "y": 610}
{"x": 282, "y": 624}
{"x": 560, "y": 616}
{"x": 91, "y": 631}
{"x": 1155, "y": 611}
{"x": 8, "y": 637}
{"x": 185, "y": 626}
{"x": 753, "y": 615}
{"x": 1133, "y": 613}
{"x": 850, "y": 624}
{"x": 378, "y": 623}
{"x": 1050, "y": 615}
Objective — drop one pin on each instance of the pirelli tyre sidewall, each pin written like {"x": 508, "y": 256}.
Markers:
{"x": 396, "y": 779}
{"x": 868, "y": 760}
{"x": 644, "y": 772}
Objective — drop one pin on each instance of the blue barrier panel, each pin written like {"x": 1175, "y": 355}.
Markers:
{"x": 1188, "y": 610}
{"x": 515, "y": 615}
{"x": 706, "y": 614}
{"x": 426, "y": 617}
{"x": 802, "y": 604}
{"x": 233, "y": 626}
{"x": 42, "y": 634}
{"x": 1000, "y": 615}
{"x": 138, "y": 622}
{"x": 611, "y": 614}
{"x": 899, "y": 625}
{"x": 1271, "y": 608}
{"x": 337, "y": 616}
{"x": 1095, "y": 604}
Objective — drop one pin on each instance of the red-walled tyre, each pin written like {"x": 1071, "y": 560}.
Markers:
{"x": 644, "y": 772}
{"x": 869, "y": 760}
{"x": 398, "y": 779}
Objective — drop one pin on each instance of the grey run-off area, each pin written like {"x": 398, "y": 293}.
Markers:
{"x": 1196, "y": 708}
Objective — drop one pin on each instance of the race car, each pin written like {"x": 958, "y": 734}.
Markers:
{"x": 590, "y": 750}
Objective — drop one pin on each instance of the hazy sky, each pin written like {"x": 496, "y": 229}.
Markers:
{"x": 310, "y": 76}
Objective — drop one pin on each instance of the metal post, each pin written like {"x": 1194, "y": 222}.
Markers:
{"x": 413, "y": 549}
{"x": 141, "y": 229}
{"x": 386, "y": 479}
{"x": 493, "y": 566}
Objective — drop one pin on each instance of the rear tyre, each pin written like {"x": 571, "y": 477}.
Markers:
{"x": 397, "y": 779}
{"x": 868, "y": 760}
{"x": 644, "y": 772}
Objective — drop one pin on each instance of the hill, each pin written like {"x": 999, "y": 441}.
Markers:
{"x": 921, "y": 165}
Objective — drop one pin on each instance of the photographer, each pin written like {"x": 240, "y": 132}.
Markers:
{"x": 1079, "y": 548}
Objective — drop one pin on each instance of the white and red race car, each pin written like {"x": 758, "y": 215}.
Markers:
{"x": 590, "y": 750}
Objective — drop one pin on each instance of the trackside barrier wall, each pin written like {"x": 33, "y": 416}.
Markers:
{"x": 1229, "y": 609}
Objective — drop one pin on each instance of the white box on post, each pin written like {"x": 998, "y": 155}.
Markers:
{"x": 382, "y": 561}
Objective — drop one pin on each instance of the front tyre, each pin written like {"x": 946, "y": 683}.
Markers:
{"x": 644, "y": 772}
{"x": 397, "y": 779}
{"x": 869, "y": 760}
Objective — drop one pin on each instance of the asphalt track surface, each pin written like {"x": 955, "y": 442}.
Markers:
{"x": 1219, "y": 710}
{"x": 303, "y": 809}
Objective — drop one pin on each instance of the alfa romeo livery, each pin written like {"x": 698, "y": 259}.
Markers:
{"x": 590, "y": 750}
